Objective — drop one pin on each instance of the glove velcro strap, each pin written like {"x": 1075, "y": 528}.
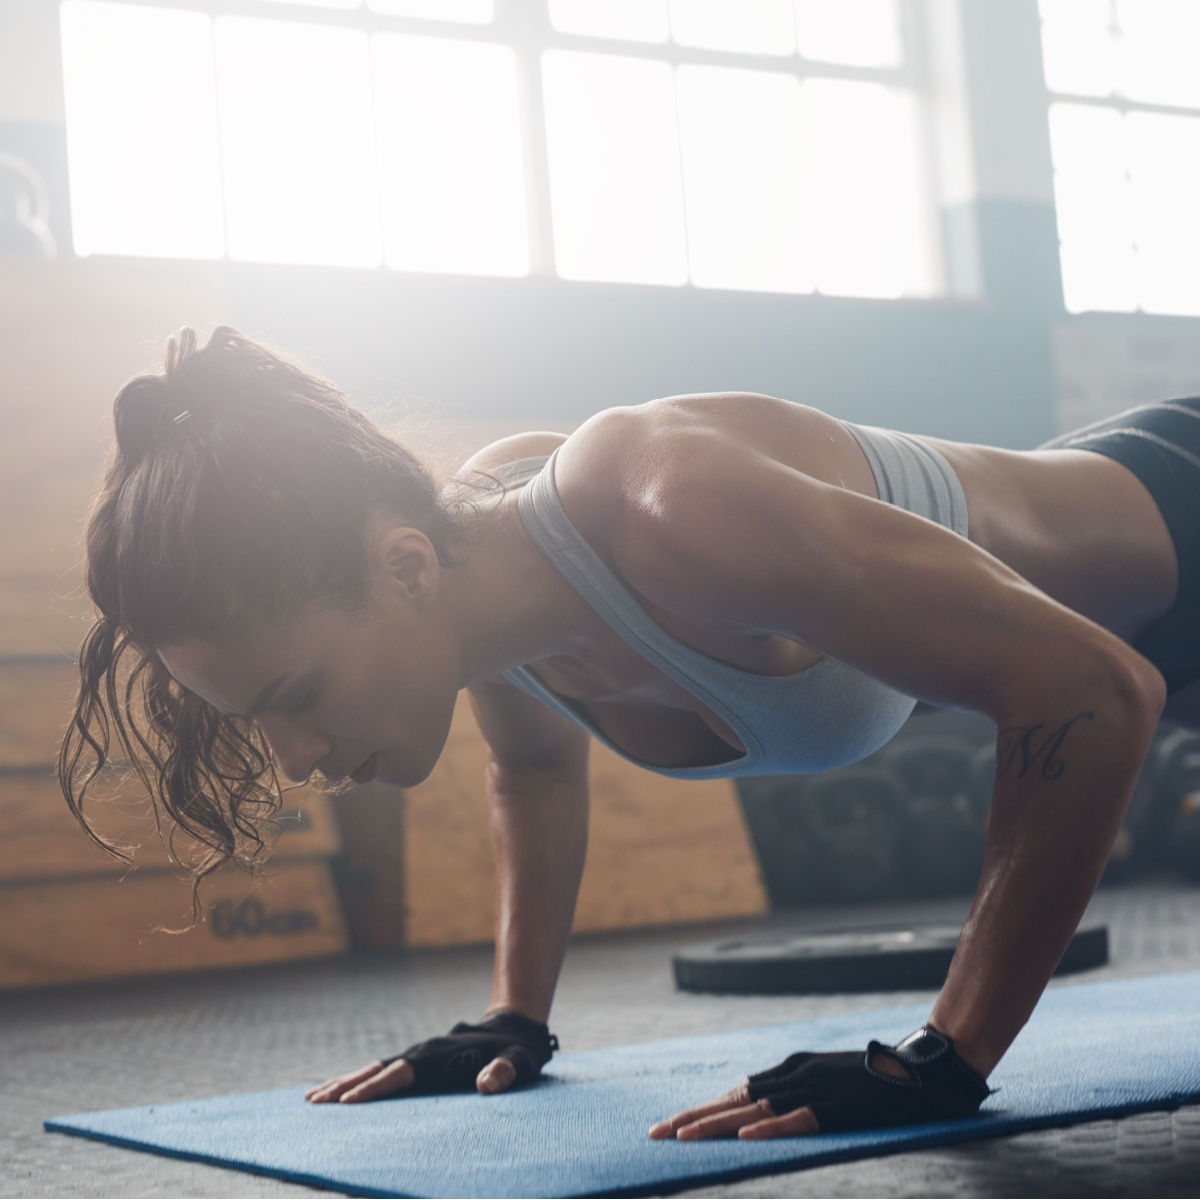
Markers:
{"x": 930, "y": 1057}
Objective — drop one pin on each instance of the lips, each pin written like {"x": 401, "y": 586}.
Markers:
{"x": 366, "y": 772}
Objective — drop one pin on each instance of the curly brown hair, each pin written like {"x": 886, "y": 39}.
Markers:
{"x": 242, "y": 488}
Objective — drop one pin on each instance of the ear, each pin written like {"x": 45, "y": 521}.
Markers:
{"x": 406, "y": 559}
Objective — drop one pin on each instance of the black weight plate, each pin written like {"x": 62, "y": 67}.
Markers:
{"x": 863, "y": 960}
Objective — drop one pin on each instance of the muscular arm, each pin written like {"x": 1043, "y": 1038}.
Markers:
{"x": 538, "y": 790}
{"x": 729, "y": 537}
{"x": 539, "y": 832}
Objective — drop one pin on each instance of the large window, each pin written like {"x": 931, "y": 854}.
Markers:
{"x": 772, "y": 145}
{"x": 1125, "y": 139}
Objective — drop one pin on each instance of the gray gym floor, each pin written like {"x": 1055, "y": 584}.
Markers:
{"x": 112, "y": 1045}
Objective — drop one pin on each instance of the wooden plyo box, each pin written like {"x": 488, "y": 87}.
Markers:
{"x": 41, "y": 840}
{"x": 107, "y": 927}
{"x": 73, "y": 912}
{"x": 661, "y": 852}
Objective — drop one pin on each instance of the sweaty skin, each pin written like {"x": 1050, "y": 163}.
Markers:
{"x": 688, "y": 501}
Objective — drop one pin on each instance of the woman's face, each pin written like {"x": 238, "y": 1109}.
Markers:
{"x": 367, "y": 694}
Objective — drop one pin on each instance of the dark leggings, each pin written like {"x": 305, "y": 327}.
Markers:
{"x": 1160, "y": 444}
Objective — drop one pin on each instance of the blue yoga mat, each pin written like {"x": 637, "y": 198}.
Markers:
{"x": 1091, "y": 1051}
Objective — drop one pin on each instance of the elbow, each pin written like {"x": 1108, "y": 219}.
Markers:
{"x": 1138, "y": 686}
{"x": 1108, "y": 681}
{"x": 1124, "y": 689}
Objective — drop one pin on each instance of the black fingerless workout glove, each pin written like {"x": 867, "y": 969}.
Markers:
{"x": 845, "y": 1091}
{"x": 451, "y": 1063}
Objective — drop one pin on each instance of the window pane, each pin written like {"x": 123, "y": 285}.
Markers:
{"x": 1165, "y": 187}
{"x": 320, "y": 3}
{"x": 630, "y": 20}
{"x": 1079, "y": 52}
{"x": 297, "y": 143}
{"x": 141, "y": 131}
{"x": 1159, "y": 40}
{"x": 470, "y": 12}
{"x": 865, "y": 209}
{"x": 741, "y": 135}
{"x": 1092, "y": 198}
{"x": 746, "y": 26}
{"x": 615, "y": 192}
{"x": 860, "y": 33}
{"x": 451, "y": 179}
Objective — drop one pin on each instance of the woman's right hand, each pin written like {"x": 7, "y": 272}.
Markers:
{"x": 502, "y": 1050}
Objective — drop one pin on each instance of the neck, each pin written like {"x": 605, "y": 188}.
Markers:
{"x": 508, "y": 604}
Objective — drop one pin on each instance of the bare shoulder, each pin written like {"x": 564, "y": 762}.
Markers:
{"x": 690, "y": 498}
{"x": 626, "y": 458}
{"x": 509, "y": 449}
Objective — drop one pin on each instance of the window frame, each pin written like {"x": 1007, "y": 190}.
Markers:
{"x": 525, "y": 27}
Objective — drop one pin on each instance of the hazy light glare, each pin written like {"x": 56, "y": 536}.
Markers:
{"x": 628, "y": 20}
{"x": 1158, "y": 46}
{"x": 741, "y": 138}
{"x": 450, "y": 162}
{"x": 1087, "y": 146}
{"x": 746, "y": 26}
{"x": 1164, "y": 154}
{"x": 615, "y": 192}
{"x": 1079, "y": 53}
{"x": 343, "y": 4}
{"x": 467, "y": 12}
{"x": 1092, "y": 199}
{"x": 859, "y": 33}
{"x": 866, "y": 207}
{"x": 297, "y": 143}
{"x": 142, "y": 145}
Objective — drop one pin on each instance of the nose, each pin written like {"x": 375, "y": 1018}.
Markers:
{"x": 296, "y": 749}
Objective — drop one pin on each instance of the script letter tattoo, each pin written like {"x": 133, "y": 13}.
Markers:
{"x": 1027, "y": 747}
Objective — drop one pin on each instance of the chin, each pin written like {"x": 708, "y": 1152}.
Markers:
{"x": 398, "y": 777}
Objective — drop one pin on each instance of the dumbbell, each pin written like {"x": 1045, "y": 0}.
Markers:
{"x": 853, "y": 819}
{"x": 1179, "y": 764}
{"x": 1140, "y": 846}
{"x": 782, "y": 841}
{"x": 24, "y": 210}
{"x": 942, "y": 836}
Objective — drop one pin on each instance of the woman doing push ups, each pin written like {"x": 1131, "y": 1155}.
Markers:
{"x": 711, "y": 585}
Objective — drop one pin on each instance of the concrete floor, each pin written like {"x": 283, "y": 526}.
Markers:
{"x": 112, "y": 1045}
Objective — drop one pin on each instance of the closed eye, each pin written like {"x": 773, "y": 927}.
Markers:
{"x": 305, "y": 704}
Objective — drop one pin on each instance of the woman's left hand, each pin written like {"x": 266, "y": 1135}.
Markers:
{"x": 920, "y": 1079}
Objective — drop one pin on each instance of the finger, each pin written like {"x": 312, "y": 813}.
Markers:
{"x": 332, "y": 1088}
{"x": 387, "y": 1081}
{"x": 497, "y": 1076}
{"x": 800, "y": 1123}
{"x": 736, "y": 1097}
{"x": 723, "y": 1124}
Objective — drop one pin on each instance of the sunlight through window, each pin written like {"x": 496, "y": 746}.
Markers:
{"x": 741, "y": 135}
{"x": 859, "y": 33}
{"x": 142, "y": 144}
{"x": 729, "y": 158}
{"x": 468, "y": 12}
{"x": 615, "y": 191}
{"x": 297, "y": 139}
{"x": 452, "y": 188}
{"x": 864, "y": 204}
{"x": 628, "y": 20}
{"x": 748, "y": 26}
{"x": 1125, "y": 179}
